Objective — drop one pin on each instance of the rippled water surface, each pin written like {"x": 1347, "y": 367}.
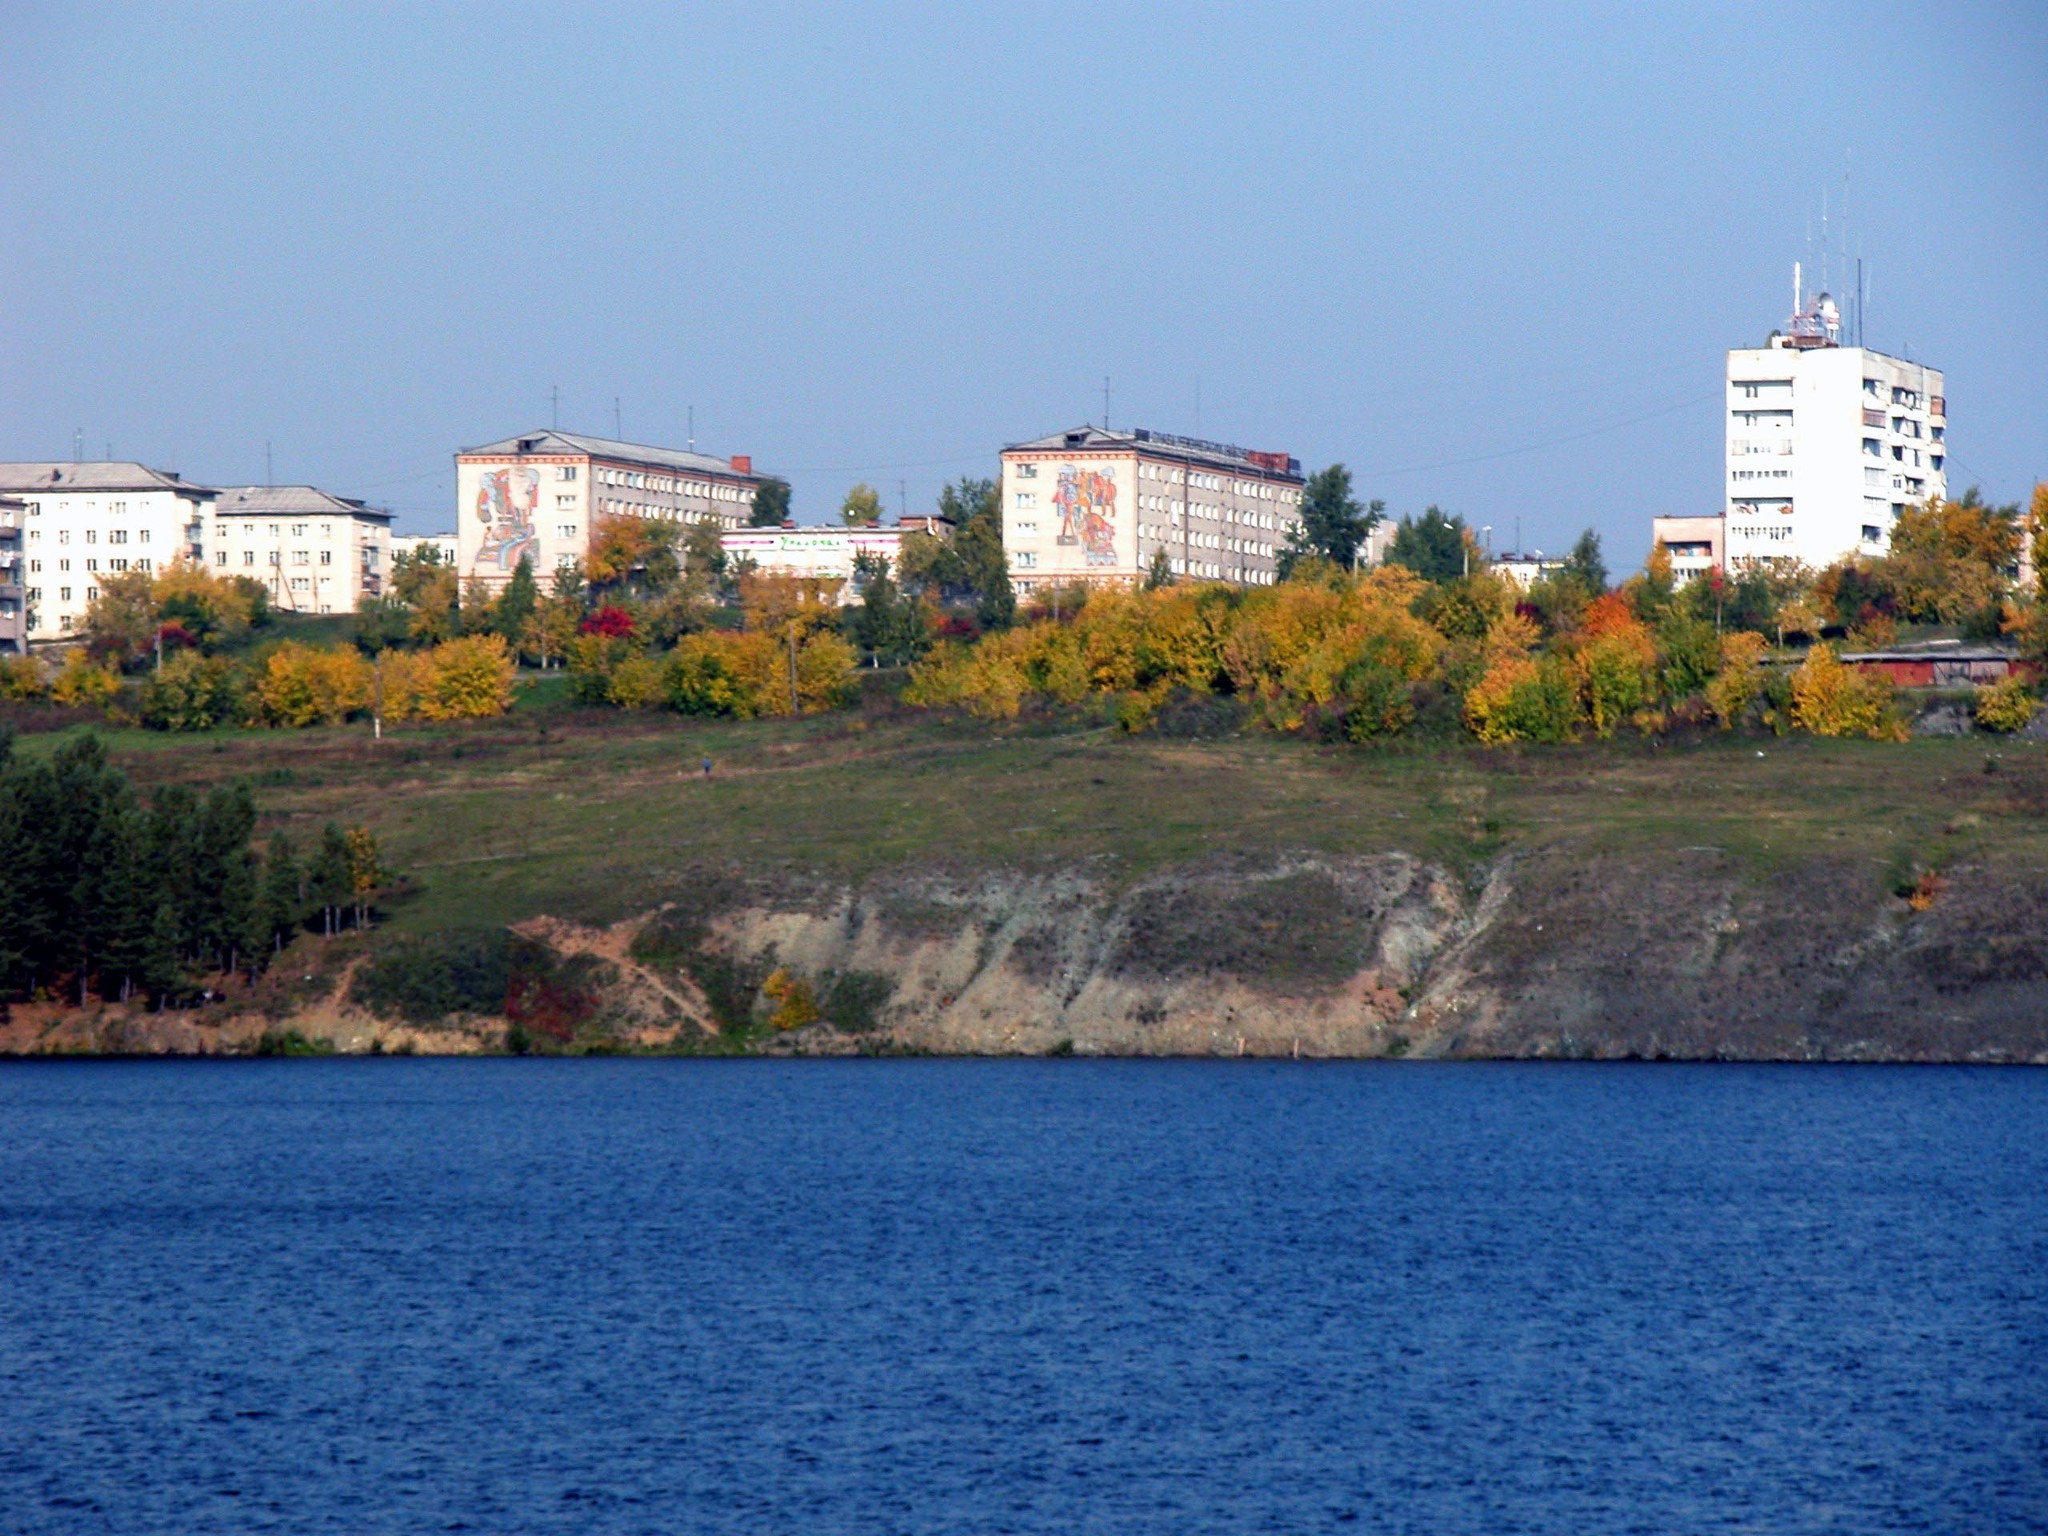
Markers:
{"x": 1068, "y": 1296}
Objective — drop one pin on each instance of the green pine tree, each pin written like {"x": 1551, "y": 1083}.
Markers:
{"x": 516, "y": 604}
{"x": 282, "y": 905}
{"x": 328, "y": 875}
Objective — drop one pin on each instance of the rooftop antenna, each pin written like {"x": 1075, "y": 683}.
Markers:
{"x": 1824, "y": 284}
{"x": 1105, "y": 402}
{"x": 693, "y": 427}
{"x": 554, "y": 407}
{"x": 902, "y": 500}
{"x": 618, "y": 429}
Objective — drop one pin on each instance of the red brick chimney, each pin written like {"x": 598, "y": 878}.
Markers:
{"x": 743, "y": 463}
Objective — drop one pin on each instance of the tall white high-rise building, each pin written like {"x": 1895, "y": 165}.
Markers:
{"x": 1827, "y": 444}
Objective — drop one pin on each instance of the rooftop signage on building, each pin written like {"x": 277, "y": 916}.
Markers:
{"x": 1275, "y": 463}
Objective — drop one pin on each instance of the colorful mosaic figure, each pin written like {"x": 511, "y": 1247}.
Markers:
{"x": 1087, "y": 502}
{"x": 507, "y": 507}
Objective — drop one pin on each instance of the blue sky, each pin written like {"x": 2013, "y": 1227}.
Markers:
{"x": 1488, "y": 256}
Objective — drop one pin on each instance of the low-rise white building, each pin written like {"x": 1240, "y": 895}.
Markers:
{"x": 1694, "y": 545}
{"x": 827, "y": 552}
{"x": 1097, "y": 506}
{"x": 409, "y": 545}
{"x": 316, "y": 552}
{"x": 81, "y": 522}
{"x": 1525, "y": 570}
{"x": 538, "y": 496}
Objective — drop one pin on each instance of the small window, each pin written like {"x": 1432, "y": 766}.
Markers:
{"x": 298, "y": 557}
{"x": 327, "y": 557}
{"x": 248, "y": 557}
{"x": 1872, "y": 534}
{"x": 565, "y": 531}
{"x": 565, "y": 471}
{"x": 1026, "y": 559}
{"x": 1027, "y": 471}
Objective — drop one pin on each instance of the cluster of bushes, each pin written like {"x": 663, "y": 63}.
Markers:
{"x": 294, "y": 686}
{"x": 105, "y": 894}
{"x": 1365, "y": 656}
{"x": 788, "y": 659}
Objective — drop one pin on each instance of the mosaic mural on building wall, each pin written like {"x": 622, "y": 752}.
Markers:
{"x": 507, "y": 504}
{"x": 1087, "y": 502}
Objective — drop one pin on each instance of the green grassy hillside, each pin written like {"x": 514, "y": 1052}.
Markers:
{"x": 596, "y": 814}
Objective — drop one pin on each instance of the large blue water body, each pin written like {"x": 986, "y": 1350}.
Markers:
{"x": 1068, "y": 1296}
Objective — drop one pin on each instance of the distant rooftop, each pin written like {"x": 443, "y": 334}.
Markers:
{"x": 1167, "y": 444}
{"x": 291, "y": 499}
{"x": 94, "y": 475}
{"x": 550, "y": 440}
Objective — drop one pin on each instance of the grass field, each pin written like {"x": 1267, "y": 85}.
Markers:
{"x": 597, "y": 814}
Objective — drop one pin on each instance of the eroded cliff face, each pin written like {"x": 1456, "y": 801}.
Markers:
{"x": 1687, "y": 957}
{"x": 1534, "y": 955}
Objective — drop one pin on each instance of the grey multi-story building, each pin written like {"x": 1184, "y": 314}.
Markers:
{"x": 1096, "y": 506}
{"x": 539, "y": 497}
{"x": 13, "y": 594}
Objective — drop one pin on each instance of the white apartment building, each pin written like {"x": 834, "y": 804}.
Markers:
{"x": 538, "y": 496}
{"x": 1096, "y": 506}
{"x": 1827, "y": 444}
{"x": 81, "y": 522}
{"x": 317, "y": 553}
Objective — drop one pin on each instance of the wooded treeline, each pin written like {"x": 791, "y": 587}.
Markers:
{"x": 102, "y": 894}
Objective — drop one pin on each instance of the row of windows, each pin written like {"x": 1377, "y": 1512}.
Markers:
{"x": 299, "y": 557}
{"x": 1235, "y": 546}
{"x": 272, "y": 529}
{"x": 668, "y": 485}
{"x": 141, "y": 564}
{"x": 92, "y": 536}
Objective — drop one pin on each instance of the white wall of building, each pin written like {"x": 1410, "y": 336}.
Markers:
{"x": 310, "y": 562}
{"x": 825, "y": 553}
{"x": 1100, "y": 507}
{"x": 1825, "y": 447}
{"x": 98, "y": 519}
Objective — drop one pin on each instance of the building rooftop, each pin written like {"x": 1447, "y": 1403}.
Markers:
{"x": 550, "y": 440}
{"x": 94, "y": 475}
{"x": 1167, "y": 445}
{"x": 290, "y": 499}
